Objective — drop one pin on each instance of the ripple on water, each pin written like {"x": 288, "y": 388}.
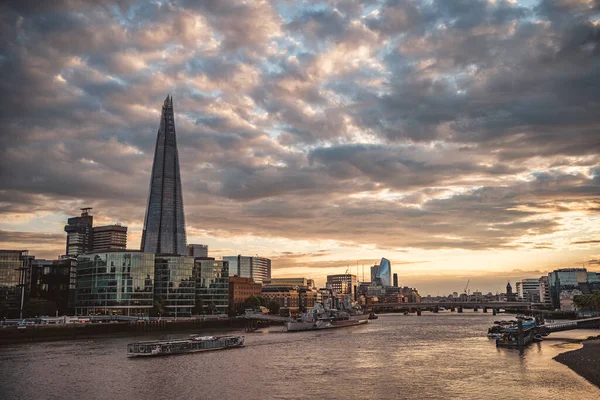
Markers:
{"x": 444, "y": 356}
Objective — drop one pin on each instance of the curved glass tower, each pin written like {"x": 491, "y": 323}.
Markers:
{"x": 384, "y": 272}
{"x": 164, "y": 225}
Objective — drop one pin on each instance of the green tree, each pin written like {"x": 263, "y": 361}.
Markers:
{"x": 587, "y": 302}
{"x": 158, "y": 308}
{"x": 253, "y": 302}
{"x": 273, "y": 307}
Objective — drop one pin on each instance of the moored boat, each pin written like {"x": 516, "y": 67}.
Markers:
{"x": 181, "y": 346}
{"x": 321, "y": 318}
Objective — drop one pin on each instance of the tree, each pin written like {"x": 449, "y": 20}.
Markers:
{"x": 273, "y": 307}
{"x": 587, "y": 302}
{"x": 158, "y": 308}
{"x": 253, "y": 302}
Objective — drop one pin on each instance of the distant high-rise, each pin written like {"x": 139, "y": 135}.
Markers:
{"x": 395, "y": 280}
{"x": 257, "y": 268}
{"x": 384, "y": 272}
{"x": 164, "y": 225}
{"x": 110, "y": 237}
{"x": 80, "y": 239}
{"x": 198, "y": 250}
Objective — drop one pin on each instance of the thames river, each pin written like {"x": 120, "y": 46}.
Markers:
{"x": 435, "y": 356}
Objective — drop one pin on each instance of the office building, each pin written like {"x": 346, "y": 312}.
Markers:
{"x": 115, "y": 283}
{"x": 395, "y": 280}
{"x": 80, "y": 237}
{"x": 239, "y": 290}
{"x": 286, "y": 296}
{"x": 528, "y": 290}
{"x": 197, "y": 250}
{"x": 212, "y": 286}
{"x": 343, "y": 285}
{"x": 374, "y": 271}
{"x": 383, "y": 274}
{"x": 109, "y": 237}
{"x": 164, "y": 224}
{"x": 569, "y": 280}
{"x": 15, "y": 275}
{"x": 52, "y": 287}
{"x": 257, "y": 268}
{"x": 545, "y": 297}
{"x": 302, "y": 282}
{"x": 174, "y": 285}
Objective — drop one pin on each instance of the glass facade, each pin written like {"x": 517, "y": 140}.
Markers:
{"x": 175, "y": 287}
{"x": 14, "y": 274}
{"x": 384, "y": 272}
{"x": 164, "y": 224}
{"x": 212, "y": 287}
{"x": 115, "y": 283}
{"x": 52, "y": 287}
{"x": 257, "y": 268}
{"x": 565, "y": 279}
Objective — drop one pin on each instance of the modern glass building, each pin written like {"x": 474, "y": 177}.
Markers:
{"x": 53, "y": 284}
{"x": 175, "y": 286}
{"x": 257, "y": 268}
{"x": 15, "y": 274}
{"x": 564, "y": 280}
{"x": 115, "y": 283}
{"x": 384, "y": 272}
{"x": 164, "y": 224}
{"x": 212, "y": 286}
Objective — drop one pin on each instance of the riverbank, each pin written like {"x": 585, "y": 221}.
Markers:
{"x": 40, "y": 333}
{"x": 584, "y": 361}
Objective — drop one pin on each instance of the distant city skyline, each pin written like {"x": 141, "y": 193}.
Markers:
{"x": 457, "y": 142}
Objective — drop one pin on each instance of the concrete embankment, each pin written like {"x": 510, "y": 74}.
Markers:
{"x": 584, "y": 361}
{"x": 37, "y": 333}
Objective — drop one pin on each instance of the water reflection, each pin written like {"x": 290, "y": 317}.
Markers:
{"x": 433, "y": 356}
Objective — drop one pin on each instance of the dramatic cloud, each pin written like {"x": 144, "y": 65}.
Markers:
{"x": 320, "y": 133}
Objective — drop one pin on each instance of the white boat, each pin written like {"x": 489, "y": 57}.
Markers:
{"x": 193, "y": 344}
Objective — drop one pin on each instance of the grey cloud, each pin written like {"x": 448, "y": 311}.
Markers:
{"x": 461, "y": 113}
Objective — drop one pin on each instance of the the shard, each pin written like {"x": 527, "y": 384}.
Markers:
{"x": 164, "y": 224}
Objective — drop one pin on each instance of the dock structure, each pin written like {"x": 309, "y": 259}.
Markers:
{"x": 521, "y": 335}
{"x": 587, "y": 323}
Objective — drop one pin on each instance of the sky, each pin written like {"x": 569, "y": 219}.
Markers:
{"x": 460, "y": 139}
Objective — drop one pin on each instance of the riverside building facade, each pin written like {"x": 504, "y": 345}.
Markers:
{"x": 15, "y": 275}
{"x": 110, "y": 283}
{"x": 212, "y": 286}
{"x": 174, "y": 285}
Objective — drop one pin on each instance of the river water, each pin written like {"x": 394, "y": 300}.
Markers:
{"x": 435, "y": 356}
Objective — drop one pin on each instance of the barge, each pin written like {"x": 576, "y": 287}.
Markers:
{"x": 193, "y": 344}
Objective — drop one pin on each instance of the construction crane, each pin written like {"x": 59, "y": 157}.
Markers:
{"x": 467, "y": 287}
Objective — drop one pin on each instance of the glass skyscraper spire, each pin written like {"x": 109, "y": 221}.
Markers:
{"x": 164, "y": 224}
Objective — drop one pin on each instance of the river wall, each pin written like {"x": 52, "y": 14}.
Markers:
{"x": 82, "y": 331}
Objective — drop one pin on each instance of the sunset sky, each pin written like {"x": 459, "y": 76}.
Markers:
{"x": 460, "y": 139}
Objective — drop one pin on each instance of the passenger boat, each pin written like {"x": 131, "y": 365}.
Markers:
{"x": 180, "y": 346}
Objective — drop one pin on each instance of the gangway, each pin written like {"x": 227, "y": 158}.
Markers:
{"x": 587, "y": 323}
